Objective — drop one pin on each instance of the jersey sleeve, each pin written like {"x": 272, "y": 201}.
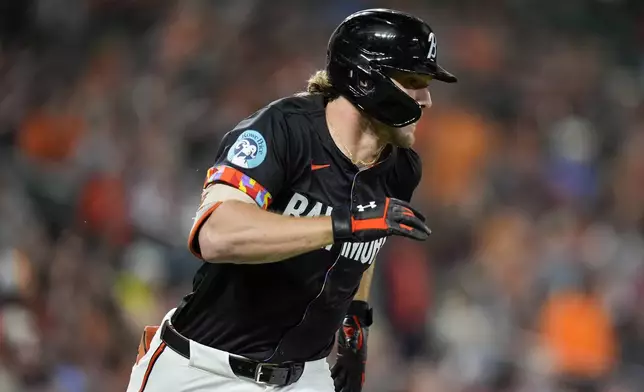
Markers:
{"x": 252, "y": 158}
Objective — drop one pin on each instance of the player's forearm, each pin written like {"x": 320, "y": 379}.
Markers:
{"x": 365, "y": 285}
{"x": 240, "y": 232}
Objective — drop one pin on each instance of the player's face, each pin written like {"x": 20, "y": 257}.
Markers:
{"x": 416, "y": 86}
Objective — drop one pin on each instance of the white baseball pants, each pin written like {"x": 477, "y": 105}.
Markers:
{"x": 163, "y": 370}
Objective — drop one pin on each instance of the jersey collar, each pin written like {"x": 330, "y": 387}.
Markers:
{"x": 387, "y": 158}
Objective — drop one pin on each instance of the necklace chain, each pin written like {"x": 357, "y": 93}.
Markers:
{"x": 357, "y": 162}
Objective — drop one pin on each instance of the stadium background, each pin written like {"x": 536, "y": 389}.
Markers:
{"x": 110, "y": 113}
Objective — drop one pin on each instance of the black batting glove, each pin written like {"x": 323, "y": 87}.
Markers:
{"x": 349, "y": 370}
{"x": 378, "y": 219}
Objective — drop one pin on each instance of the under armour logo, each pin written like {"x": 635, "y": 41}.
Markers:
{"x": 433, "y": 49}
{"x": 372, "y": 204}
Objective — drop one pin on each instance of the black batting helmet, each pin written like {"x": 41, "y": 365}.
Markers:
{"x": 368, "y": 44}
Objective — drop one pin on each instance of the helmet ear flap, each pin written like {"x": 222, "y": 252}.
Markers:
{"x": 366, "y": 84}
{"x": 361, "y": 83}
{"x": 369, "y": 89}
{"x": 388, "y": 103}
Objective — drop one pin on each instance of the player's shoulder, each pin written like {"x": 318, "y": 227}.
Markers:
{"x": 406, "y": 173}
{"x": 301, "y": 104}
{"x": 408, "y": 161}
{"x": 284, "y": 113}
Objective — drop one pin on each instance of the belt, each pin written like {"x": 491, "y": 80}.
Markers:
{"x": 260, "y": 372}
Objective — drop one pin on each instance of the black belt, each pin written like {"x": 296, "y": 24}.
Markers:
{"x": 260, "y": 372}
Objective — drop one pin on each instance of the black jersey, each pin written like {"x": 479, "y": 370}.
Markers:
{"x": 283, "y": 156}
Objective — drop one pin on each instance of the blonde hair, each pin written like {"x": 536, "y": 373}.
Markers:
{"x": 319, "y": 83}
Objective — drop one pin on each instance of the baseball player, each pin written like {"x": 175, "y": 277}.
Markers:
{"x": 301, "y": 198}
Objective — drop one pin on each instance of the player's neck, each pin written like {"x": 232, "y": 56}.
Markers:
{"x": 354, "y": 135}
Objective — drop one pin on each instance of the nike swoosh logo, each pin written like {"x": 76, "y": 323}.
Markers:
{"x": 318, "y": 167}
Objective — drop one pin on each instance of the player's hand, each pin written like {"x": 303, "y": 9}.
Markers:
{"x": 349, "y": 370}
{"x": 378, "y": 219}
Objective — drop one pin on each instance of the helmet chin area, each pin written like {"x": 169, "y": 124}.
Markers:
{"x": 381, "y": 99}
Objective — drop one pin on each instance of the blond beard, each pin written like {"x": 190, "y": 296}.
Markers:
{"x": 402, "y": 137}
{"x": 399, "y": 137}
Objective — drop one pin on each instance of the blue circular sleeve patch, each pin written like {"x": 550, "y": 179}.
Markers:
{"x": 249, "y": 150}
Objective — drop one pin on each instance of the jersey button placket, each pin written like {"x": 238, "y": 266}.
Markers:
{"x": 355, "y": 188}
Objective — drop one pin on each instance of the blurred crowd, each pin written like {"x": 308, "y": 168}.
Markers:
{"x": 111, "y": 112}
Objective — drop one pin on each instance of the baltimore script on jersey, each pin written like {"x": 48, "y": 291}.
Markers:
{"x": 364, "y": 252}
